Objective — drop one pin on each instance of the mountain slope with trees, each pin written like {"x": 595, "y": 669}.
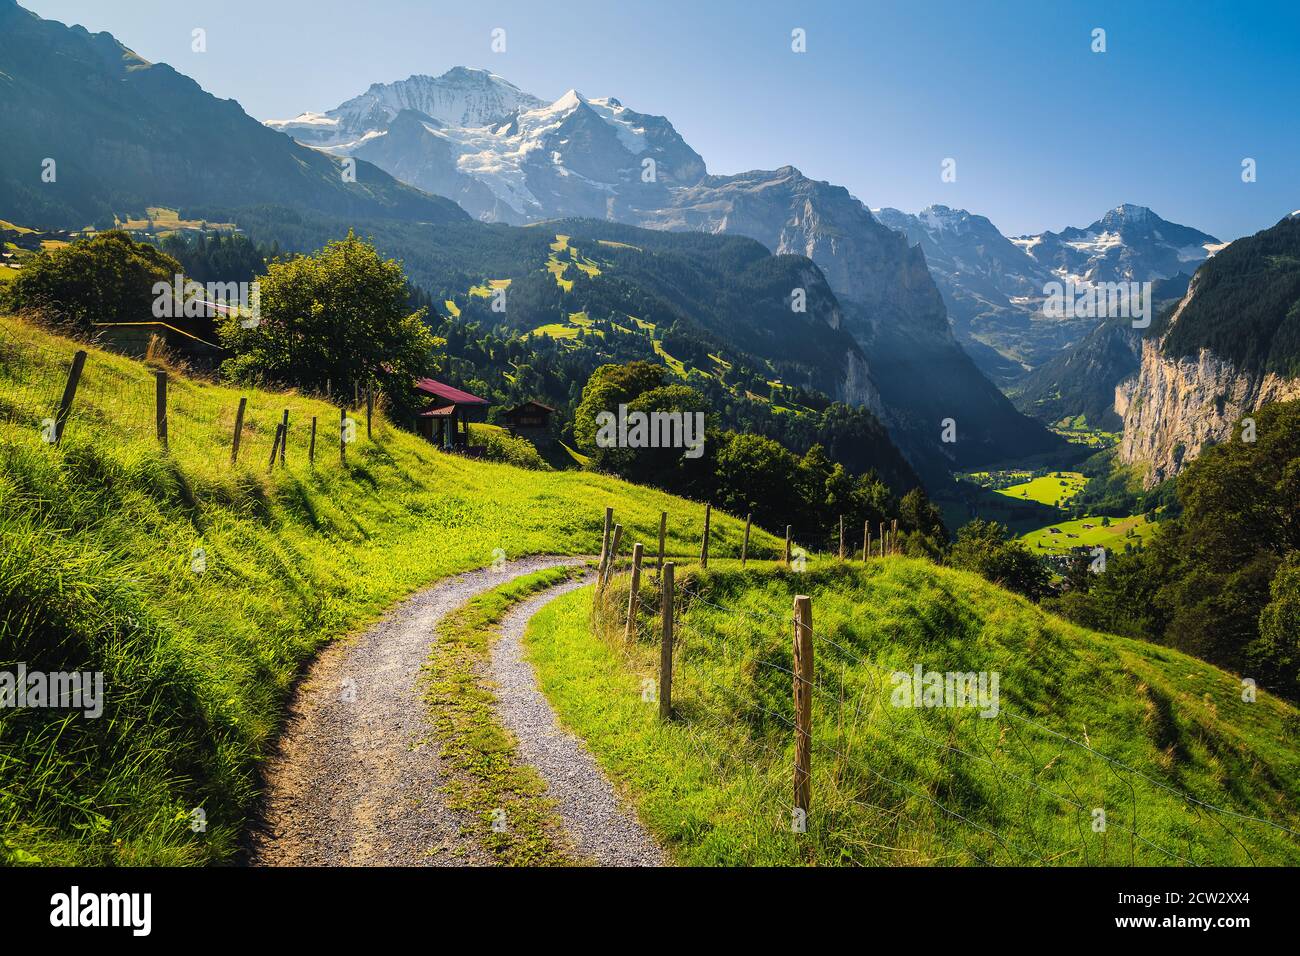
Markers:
{"x": 126, "y": 134}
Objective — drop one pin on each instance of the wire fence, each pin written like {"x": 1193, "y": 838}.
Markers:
{"x": 63, "y": 398}
{"x": 901, "y": 784}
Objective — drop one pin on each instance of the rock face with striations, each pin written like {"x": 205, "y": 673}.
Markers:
{"x": 1175, "y": 406}
{"x": 1231, "y": 345}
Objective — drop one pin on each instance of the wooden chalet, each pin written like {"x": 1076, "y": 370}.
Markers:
{"x": 531, "y": 420}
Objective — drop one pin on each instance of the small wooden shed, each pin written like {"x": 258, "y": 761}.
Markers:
{"x": 445, "y": 421}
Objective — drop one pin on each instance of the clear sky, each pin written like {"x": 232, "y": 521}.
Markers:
{"x": 1045, "y": 132}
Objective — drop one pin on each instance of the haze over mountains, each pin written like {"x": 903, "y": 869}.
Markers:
{"x": 124, "y": 134}
{"x": 994, "y": 285}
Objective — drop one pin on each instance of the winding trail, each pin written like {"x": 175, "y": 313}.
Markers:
{"x": 600, "y": 826}
{"x": 352, "y": 783}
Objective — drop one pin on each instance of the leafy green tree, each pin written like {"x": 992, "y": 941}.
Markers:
{"x": 608, "y": 387}
{"x": 336, "y": 318}
{"x": 987, "y": 548}
{"x": 922, "y": 521}
{"x": 1276, "y": 652}
{"x": 755, "y": 475}
{"x": 107, "y": 278}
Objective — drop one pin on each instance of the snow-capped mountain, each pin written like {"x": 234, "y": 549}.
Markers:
{"x": 1129, "y": 243}
{"x": 460, "y": 97}
{"x": 994, "y": 286}
{"x": 506, "y": 156}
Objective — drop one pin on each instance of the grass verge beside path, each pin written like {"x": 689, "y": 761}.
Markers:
{"x": 934, "y": 785}
{"x": 480, "y": 755}
{"x": 199, "y": 590}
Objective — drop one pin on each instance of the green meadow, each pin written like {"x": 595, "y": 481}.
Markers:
{"x": 1095, "y": 746}
{"x": 200, "y": 590}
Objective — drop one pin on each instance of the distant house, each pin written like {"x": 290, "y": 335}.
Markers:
{"x": 1053, "y": 530}
{"x": 445, "y": 421}
{"x": 1088, "y": 527}
{"x": 531, "y": 420}
{"x": 133, "y": 338}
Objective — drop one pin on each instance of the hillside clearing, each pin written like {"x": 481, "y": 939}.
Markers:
{"x": 1091, "y": 533}
{"x": 1056, "y": 489}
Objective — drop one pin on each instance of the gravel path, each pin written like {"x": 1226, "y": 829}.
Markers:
{"x": 351, "y": 783}
{"x": 601, "y": 827}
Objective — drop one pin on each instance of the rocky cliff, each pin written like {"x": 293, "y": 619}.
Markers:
{"x": 1226, "y": 349}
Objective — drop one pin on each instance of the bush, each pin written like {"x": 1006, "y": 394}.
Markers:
{"x": 986, "y": 548}
{"x": 500, "y": 445}
{"x": 109, "y": 278}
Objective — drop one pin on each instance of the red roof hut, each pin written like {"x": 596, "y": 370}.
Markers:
{"x": 452, "y": 410}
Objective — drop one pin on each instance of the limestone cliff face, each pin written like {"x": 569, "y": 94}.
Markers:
{"x": 1174, "y": 406}
{"x": 859, "y": 389}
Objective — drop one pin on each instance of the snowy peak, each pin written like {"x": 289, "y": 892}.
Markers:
{"x": 504, "y": 154}
{"x": 461, "y": 97}
{"x": 1129, "y": 243}
{"x": 1127, "y": 214}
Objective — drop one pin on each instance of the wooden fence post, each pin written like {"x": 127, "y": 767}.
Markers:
{"x": 634, "y": 597}
{"x": 704, "y": 547}
{"x": 666, "y": 647}
{"x": 160, "y": 405}
{"x": 787, "y": 546}
{"x": 69, "y": 393}
{"x": 604, "y": 546}
{"x": 311, "y": 448}
{"x": 343, "y": 436}
{"x": 893, "y": 537}
{"x": 284, "y": 438}
{"x": 866, "y": 540}
{"x": 239, "y": 430}
{"x": 803, "y": 685}
{"x": 882, "y": 539}
{"x": 841, "y": 537}
{"x": 370, "y": 409}
{"x": 744, "y": 548}
{"x": 275, "y": 446}
{"x": 613, "y": 554}
{"x": 663, "y": 531}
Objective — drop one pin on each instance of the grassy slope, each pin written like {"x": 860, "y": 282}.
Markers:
{"x": 1048, "y": 489}
{"x": 715, "y": 784}
{"x": 97, "y": 542}
{"x": 1113, "y": 537}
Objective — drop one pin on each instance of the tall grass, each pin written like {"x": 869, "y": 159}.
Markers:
{"x": 930, "y": 786}
{"x": 98, "y": 542}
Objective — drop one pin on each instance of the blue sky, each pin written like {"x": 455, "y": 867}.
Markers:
{"x": 1045, "y": 132}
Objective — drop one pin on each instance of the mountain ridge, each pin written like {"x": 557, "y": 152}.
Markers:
{"x": 124, "y": 134}
{"x": 595, "y": 158}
